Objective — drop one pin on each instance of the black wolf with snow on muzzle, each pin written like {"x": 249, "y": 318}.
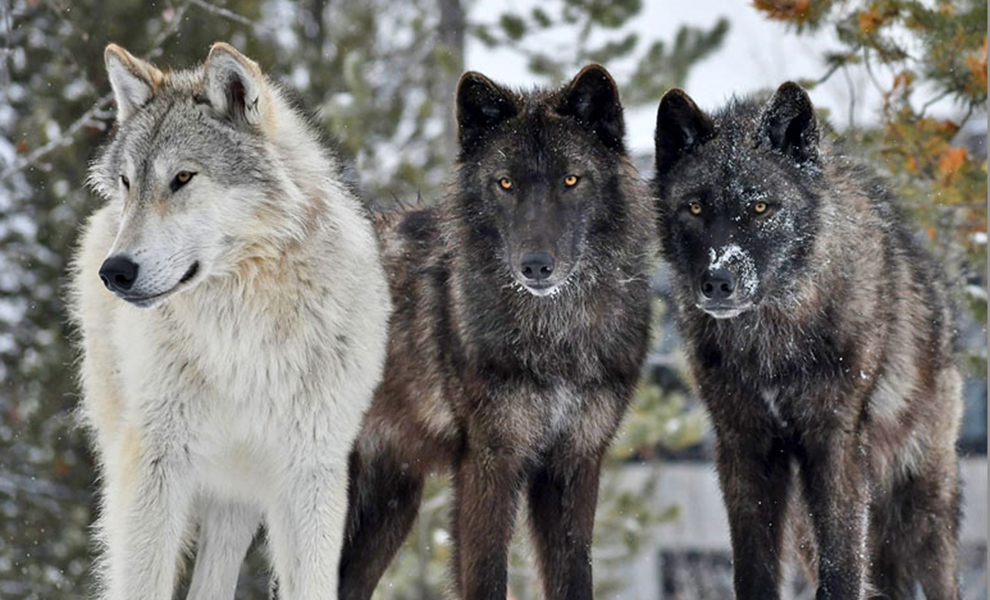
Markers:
{"x": 821, "y": 339}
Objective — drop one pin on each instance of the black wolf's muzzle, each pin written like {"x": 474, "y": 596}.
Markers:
{"x": 718, "y": 285}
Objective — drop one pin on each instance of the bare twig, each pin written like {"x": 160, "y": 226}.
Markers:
{"x": 828, "y": 74}
{"x": 926, "y": 105}
{"x": 852, "y": 98}
{"x": 969, "y": 113}
{"x": 869, "y": 71}
{"x": 223, "y": 12}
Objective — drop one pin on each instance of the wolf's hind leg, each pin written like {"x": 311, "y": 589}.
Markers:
{"x": 226, "y": 530}
{"x": 384, "y": 500}
{"x": 933, "y": 519}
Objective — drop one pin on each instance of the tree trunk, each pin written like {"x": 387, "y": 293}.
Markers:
{"x": 453, "y": 22}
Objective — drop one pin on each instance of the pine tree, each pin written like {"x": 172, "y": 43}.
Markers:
{"x": 919, "y": 55}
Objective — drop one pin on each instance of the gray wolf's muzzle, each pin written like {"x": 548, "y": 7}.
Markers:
{"x": 119, "y": 273}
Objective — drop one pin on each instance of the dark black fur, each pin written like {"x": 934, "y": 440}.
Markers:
{"x": 516, "y": 394}
{"x": 829, "y": 371}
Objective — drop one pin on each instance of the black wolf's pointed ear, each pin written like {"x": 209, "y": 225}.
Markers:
{"x": 592, "y": 99}
{"x": 236, "y": 86}
{"x": 789, "y": 124}
{"x": 481, "y": 106}
{"x": 681, "y": 127}
{"x": 133, "y": 80}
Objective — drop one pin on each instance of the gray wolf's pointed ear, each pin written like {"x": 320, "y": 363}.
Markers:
{"x": 681, "y": 127}
{"x": 789, "y": 124}
{"x": 236, "y": 86}
{"x": 133, "y": 80}
{"x": 592, "y": 99}
{"x": 481, "y": 106}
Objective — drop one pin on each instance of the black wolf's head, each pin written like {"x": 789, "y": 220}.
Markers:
{"x": 738, "y": 198}
{"x": 538, "y": 171}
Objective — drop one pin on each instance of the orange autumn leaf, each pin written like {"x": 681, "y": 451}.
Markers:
{"x": 951, "y": 160}
{"x": 903, "y": 79}
{"x": 947, "y": 128}
{"x": 977, "y": 64}
{"x": 785, "y": 10}
{"x": 869, "y": 20}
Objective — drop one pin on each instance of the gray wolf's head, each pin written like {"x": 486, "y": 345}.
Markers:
{"x": 539, "y": 174}
{"x": 190, "y": 168}
{"x": 737, "y": 197}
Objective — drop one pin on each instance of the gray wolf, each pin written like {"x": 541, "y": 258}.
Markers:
{"x": 521, "y": 323}
{"x": 820, "y": 336}
{"x": 236, "y": 337}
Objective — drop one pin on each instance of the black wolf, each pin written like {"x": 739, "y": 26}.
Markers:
{"x": 520, "y": 327}
{"x": 820, "y": 337}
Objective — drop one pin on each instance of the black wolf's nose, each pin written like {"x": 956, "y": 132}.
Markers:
{"x": 718, "y": 284}
{"x": 118, "y": 273}
{"x": 537, "y": 265}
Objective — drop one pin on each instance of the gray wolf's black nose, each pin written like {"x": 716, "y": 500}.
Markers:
{"x": 718, "y": 284}
{"x": 118, "y": 273}
{"x": 537, "y": 265}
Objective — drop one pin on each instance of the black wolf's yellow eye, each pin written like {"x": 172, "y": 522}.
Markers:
{"x": 760, "y": 208}
{"x": 181, "y": 179}
{"x": 571, "y": 180}
{"x": 127, "y": 182}
{"x": 505, "y": 183}
{"x": 695, "y": 208}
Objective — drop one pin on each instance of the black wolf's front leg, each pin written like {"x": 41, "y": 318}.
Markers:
{"x": 836, "y": 488}
{"x": 563, "y": 495}
{"x": 755, "y": 476}
{"x": 486, "y": 485}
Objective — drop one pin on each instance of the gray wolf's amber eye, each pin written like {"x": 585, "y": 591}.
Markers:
{"x": 181, "y": 179}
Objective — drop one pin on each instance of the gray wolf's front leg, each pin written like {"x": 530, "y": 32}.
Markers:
{"x": 146, "y": 507}
{"x": 225, "y": 533}
{"x": 306, "y": 531}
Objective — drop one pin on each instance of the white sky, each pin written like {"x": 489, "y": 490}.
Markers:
{"x": 757, "y": 54}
